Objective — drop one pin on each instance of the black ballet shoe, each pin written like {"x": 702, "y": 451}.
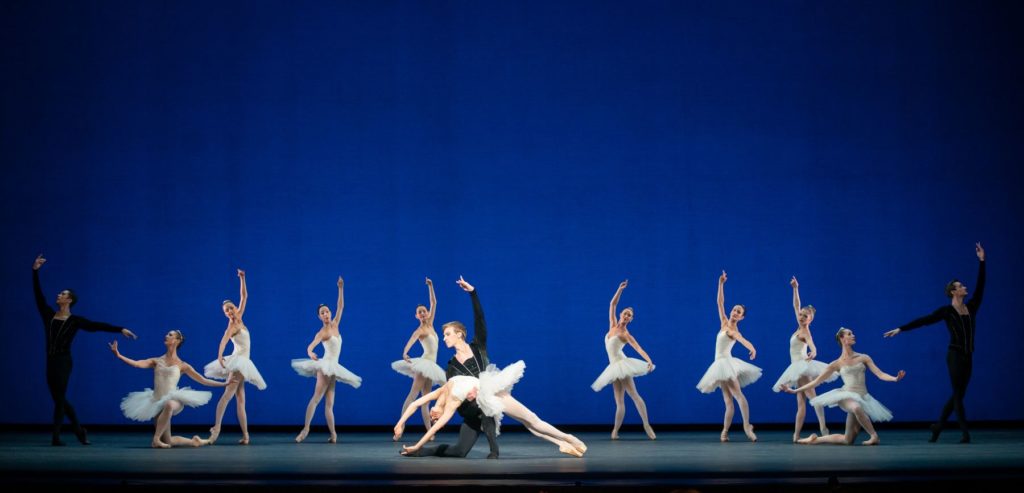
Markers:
{"x": 965, "y": 438}
{"x": 56, "y": 442}
{"x": 492, "y": 455}
{"x": 82, "y": 436}
{"x": 936, "y": 429}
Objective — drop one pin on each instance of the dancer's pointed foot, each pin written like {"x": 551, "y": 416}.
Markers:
{"x": 199, "y": 442}
{"x": 650, "y": 432}
{"x": 724, "y": 437}
{"x": 796, "y": 437}
{"x": 576, "y": 442}
{"x": 872, "y": 441}
{"x": 214, "y": 434}
{"x": 749, "y": 430}
{"x": 615, "y": 435}
{"x": 565, "y": 448}
{"x": 333, "y": 438}
{"x": 302, "y": 435}
{"x": 82, "y": 436}
{"x": 244, "y": 440}
{"x": 809, "y": 440}
{"x": 159, "y": 444}
{"x": 936, "y": 430}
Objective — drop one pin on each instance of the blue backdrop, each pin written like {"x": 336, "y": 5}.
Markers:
{"x": 546, "y": 151}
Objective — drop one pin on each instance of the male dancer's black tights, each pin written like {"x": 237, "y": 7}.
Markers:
{"x": 960, "y": 365}
{"x": 58, "y": 371}
{"x": 468, "y": 436}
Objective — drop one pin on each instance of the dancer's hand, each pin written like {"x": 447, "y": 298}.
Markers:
{"x": 623, "y": 284}
{"x": 471, "y": 395}
{"x": 429, "y": 282}
{"x": 341, "y": 282}
{"x": 787, "y": 389}
{"x": 241, "y": 273}
{"x": 39, "y": 262}
{"x": 113, "y": 348}
{"x": 220, "y": 359}
{"x": 467, "y": 287}
{"x": 399, "y": 430}
{"x": 406, "y": 358}
{"x": 977, "y": 250}
{"x": 129, "y": 334}
{"x": 892, "y": 333}
{"x": 312, "y": 356}
{"x": 435, "y": 413}
{"x": 810, "y": 355}
{"x": 406, "y": 450}
{"x": 792, "y": 282}
{"x": 753, "y": 354}
{"x": 722, "y": 278}
{"x": 650, "y": 366}
{"x": 900, "y": 375}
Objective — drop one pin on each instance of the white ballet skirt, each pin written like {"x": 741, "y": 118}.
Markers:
{"x": 855, "y": 389}
{"x": 619, "y": 366}
{"x": 145, "y": 405}
{"x": 238, "y": 361}
{"x": 425, "y": 365}
{"x": 726, "y": 367}
{"x": 328, "y": 365}
{"x": 491, "y": 383}
{"x": 800, "y": 367}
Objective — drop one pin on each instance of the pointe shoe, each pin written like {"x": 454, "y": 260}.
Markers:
{"x": 650, "y": 433}
{"x": 749, "y": 430}
{"x": 576, "y": 442}
{"x": 871, "y": 441}
{"x": 159, "y": 445}
{"x": 796, "y": 437}
{"x": 244, "y": 441}
{"x": 615, "y": 435}
{"x": 301, "y": 436}
{"x": 809, "y": 440}
{"x": 214, "y": 435}
{"x": 333, "y": 439}
{"x": 565, "y": 448}
{"x": 724, "y": 437}
{"x": 82, "y": 436}
{"x": 199, "y": 442}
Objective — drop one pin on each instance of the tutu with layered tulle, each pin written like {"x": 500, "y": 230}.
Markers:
{"x": 494, "y": 382}
{"x": 803, "y": 368}
{"x": 233, "y": 363}
{"x": 420, "y": 366}
{"x": 141, "y": 406}
{"x": 308, "y": 368}
{"x": 619, "y": 370}
{"x": 725, "y": 369}
{"x": 874, "y": 409}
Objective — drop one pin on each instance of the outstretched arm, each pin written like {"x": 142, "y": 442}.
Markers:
{"x": 194, "y": 375}
{"x": 145, "y": 363}
{"x": 979, "y": 286}
{"x": 413, "y": 406}
{"x": 44, "y": 310}
{"x": 613, "y": 306}
{"x": 742, "y": 340}
{"x": 721, "y": 297}
{"x": 341, "y": 301}
{"x": 832, "y": 368}
{"x": 243, "y": 294}
{"x": 433, "y": 304}
{"x": 449, "y": 411}
{"x": 881, "y": 374}
{"x": 796, "y": 298}
{"x": 640, "y": 351}
{"x": 929, "y": 319}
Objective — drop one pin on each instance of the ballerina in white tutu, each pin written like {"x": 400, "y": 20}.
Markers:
{"x": 165, "y": 399}
{"x": 803, "y": 367}
{"x": 728, "y": 373}
{"x": 424, "y": 371}
{"x": 853, "y": 397}
{"x": 236, "y": 368}
{"x": 493, "y": 393}
{"x": 326, "y": 370}
{"x": 621, "y": 370}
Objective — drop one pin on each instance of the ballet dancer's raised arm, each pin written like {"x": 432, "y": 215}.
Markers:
{"x": 613, "y": 306}
{"x": 341, "y": 302}
{"x": 796, "y": 298}
{"x": 145, "y": 363}
{"x": 433, "y": 304}
{"x": 721, "y": 298}
{"x": 243, "y": 295}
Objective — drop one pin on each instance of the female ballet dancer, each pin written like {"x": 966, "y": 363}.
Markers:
{"x": 424, "y": 371}
{"x": 729, "y": 373}
{"x": 853, "y": 397}
{"x": 803, "y": 367}
{"x": 327, "y": 370}
{"x": 165, "y": 399}
{"x": 61, "y": 326}
{"x": 492, "y": 392}
{"x": 960, "y": 318}
{"x": 236, "y": 368}
{"x": 621, "y": 370}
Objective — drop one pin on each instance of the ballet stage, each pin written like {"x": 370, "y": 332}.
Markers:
{"x": 681, "y": 460}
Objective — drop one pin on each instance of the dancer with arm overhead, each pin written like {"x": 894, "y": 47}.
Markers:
{"x": 424, "y": 371}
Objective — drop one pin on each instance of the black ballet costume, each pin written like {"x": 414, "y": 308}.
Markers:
{"x": 59, "y": 335}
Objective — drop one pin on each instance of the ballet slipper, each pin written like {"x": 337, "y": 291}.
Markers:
{"x": 872, "y": 441}
{"x": 809, "y": 440}
{"x": 749, "y": 430}
{"x": 302, "y": 435}
{"x": 565, "y": 448}
{"x": 724, "y": 437}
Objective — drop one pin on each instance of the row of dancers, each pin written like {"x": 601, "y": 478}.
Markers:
{"x": 481, "y": 393}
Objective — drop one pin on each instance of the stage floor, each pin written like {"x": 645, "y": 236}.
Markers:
{"x": 690, "y": 459}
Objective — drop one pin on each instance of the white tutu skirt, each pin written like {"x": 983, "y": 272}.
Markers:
{"x": 803, "y": 368}
{"x": 619, "y": 370}
{"x": 494, "y": 382}
{"x": 420, "y": 366}
{"x": 725, "y": 369}
{"x": 308, "y": 368}
{"x": 234, "y": 362}
{"x": 141, "y": 406}
{"x": 874, "y": 409}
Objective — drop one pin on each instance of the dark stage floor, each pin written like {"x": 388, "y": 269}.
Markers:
{"x": 676, "y": 460}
